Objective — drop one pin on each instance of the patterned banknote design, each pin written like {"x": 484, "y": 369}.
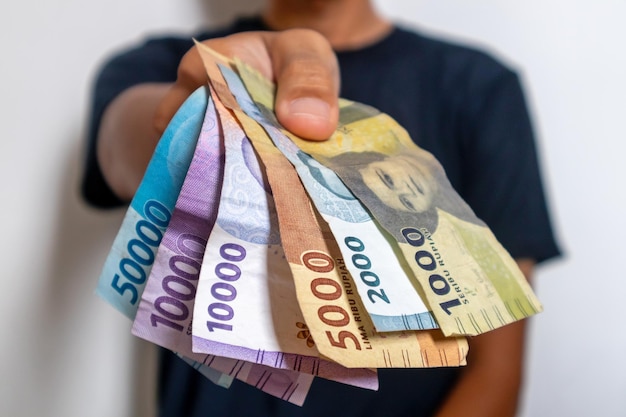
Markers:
{"x": 470, "y": 282}
{"x": 334, "y": 313}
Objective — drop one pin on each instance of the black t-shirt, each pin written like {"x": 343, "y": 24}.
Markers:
{"x": 456, "y": 102}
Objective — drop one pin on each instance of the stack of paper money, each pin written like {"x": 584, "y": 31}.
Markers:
{"x": 300, "y": 259}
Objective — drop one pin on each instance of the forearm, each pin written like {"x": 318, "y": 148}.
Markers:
{"x": 127, "y": 137}
{"x": 490, "y": 384}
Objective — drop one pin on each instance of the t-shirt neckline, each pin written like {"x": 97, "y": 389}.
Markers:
{"x": 253, "y": 23}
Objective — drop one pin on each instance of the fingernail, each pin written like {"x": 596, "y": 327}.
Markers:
{"x": 309, "y": 107}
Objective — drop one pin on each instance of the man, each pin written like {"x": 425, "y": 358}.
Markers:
{"x": 461, "y": 105}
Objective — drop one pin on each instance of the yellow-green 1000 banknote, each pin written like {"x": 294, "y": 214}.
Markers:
{"x": 471, "y": 283}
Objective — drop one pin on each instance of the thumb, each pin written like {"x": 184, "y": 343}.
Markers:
{"x": 307, "y": 78}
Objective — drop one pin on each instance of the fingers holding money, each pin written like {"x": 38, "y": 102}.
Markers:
{"x": 307, "y": 75}
{"x": 301, "y": 62}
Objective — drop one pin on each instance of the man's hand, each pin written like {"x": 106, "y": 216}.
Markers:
{"x": 300, "y": 61}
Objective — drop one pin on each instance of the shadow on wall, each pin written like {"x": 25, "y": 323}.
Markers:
{"x": 111, "y": 361}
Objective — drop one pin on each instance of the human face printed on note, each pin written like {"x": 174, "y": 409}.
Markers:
{"x": 400, "y": 182}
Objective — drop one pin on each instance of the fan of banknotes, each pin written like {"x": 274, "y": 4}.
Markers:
{"x": 300, "y": 259}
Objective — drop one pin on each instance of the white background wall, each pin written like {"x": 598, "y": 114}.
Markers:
{"x": 64, "y": 352}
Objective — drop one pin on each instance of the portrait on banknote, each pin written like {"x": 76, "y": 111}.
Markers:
{"x": 407, "y": 188}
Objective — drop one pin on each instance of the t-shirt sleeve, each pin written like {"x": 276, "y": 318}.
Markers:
{"x": 503, "y": 183}
{"x": 153, "y": 61}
